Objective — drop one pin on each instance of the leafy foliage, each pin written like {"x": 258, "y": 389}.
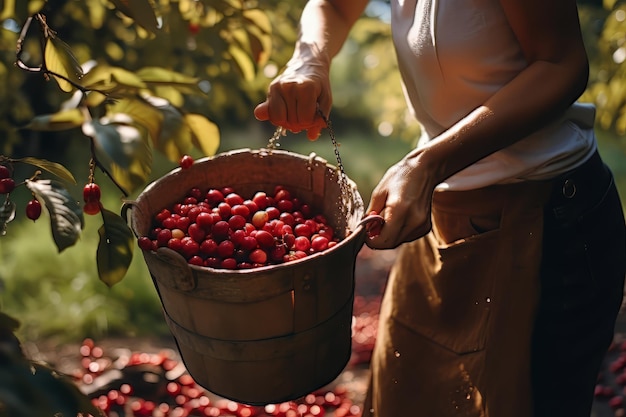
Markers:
{"x": 605, "y": 30}
{"x": 126, "y": 111}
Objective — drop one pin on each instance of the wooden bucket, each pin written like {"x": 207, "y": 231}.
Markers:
{"x": 269, "y": 334}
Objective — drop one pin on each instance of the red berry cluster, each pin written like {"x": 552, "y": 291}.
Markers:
{"x": 7, "y": 183}
{"x": 219, "y": 228}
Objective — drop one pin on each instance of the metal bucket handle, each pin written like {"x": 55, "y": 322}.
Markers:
{"x": 371, "y": 222}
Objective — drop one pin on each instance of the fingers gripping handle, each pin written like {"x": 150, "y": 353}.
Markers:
{"x": 372, "y": 223}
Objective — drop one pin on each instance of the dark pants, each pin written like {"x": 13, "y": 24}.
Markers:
{"x": 582, "y": 281}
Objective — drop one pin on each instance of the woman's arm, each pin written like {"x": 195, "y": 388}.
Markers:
{"x": 557, "y": 72}
{"x": 295, "y": 95}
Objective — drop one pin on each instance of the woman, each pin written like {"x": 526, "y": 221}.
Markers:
{"x": 504, "y": 296}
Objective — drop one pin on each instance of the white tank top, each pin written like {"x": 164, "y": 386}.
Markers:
{"x": 453, "y": 55}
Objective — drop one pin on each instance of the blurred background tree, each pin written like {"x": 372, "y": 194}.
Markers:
{"x": 210, "y": 60}
{"x": 225, "y": 52}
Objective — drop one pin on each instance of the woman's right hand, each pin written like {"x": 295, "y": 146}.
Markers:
{"x": 299, "y": 97}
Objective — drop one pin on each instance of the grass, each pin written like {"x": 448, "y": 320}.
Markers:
{"x": 60, "y": 295}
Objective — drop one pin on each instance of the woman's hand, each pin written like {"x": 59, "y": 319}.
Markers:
{"x": 298, "y": 97}
{"x": 403, "y": 197}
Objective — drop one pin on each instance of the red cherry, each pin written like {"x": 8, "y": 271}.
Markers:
{"x": 5, "y": 172}
{"x": 7, "y": 185}
{"x": 258, "y": 256}
{"x": 204, "y": 220}
{"x": 229, "y": 263}
{"x": 264, "y": 238}
{"x": 196, "y": 193}
{"x": 234, "y": 199}
{"x": 278, "y": 252}
{"x": 162, "y": 215}
{"x": 186, "y": 162}
{"x": 319, "y": 243}
{"x": 303, "y": 229}
{"x": 225, "y": 249}
{"x": 189, "y": 247}
{"x": 282, "y": 194}
{"x": 237, "y": 222}
{"x": 175, "y": 244}
{"x": 214, "y": 196}
{"x": 196, "y": 232}
{"x": 302, "y": 243}
{"x": 248, "y": 243}
{"x": 91, "y": 193}
{"x": 273, "y": 212}
{"x": 144, "y": 243}
{"x": 238, "y": 236}
{"x": 224, "y": 209}
{"x": 241, "y": 210}
{"x": 221, "y": 229}
{"x": 33, "y": 209}
{"x": 163, "y": 237}
{"x": 260, "y": 199}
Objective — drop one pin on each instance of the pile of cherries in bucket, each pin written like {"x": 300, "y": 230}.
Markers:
{"x": 220, "y": 228}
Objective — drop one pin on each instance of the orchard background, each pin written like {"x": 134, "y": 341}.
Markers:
{"x": 114, "y": 93}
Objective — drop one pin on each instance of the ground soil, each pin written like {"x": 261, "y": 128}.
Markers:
{"x": 371, "y": 273}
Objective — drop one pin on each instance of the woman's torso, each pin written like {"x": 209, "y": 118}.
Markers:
{"x": 453, "y": 55}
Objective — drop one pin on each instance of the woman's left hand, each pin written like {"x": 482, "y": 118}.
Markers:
{"x": 403, "y": 198}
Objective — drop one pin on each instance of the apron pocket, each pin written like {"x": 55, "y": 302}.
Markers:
{"x": 442, "y": 299}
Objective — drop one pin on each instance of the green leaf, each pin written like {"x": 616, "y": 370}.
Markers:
{"x": 159, "y": 75}
{"x": 60, "y": 60}
{"x": 66, "y": 215}
{"x": 7, "y": 214}
{"x": 175, "y": 138}
{"x": 105, "y": 78}
{"x": 205, "y": 133}
{"x": 126, "y": 78}
{"x": 141, "y": 112}
{"x": 260, "y": 34}
{"x": 115, "y": 250}
{"x": 123, "y": 146}
{"x": 52, "y": 167}
{"x": 62, "y": 120}
{"x": 242, "y": 61}
{"x": 140, "y": 11}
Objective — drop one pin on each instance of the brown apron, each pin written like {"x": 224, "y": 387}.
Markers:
{"x": 457, "y": 315}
